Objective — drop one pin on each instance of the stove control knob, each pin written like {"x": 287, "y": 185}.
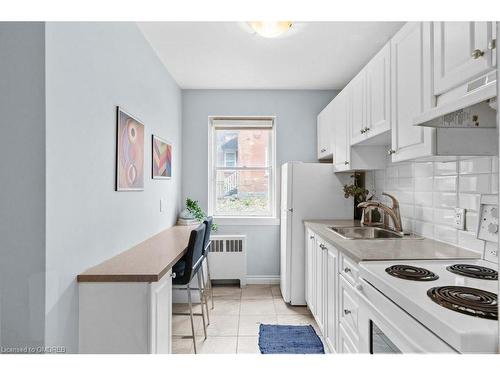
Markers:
{"x": 493, "y": 228}
{"x": 494, "y": 213}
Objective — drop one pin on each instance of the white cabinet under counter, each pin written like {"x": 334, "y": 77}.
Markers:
{"x": 125, "y": 303}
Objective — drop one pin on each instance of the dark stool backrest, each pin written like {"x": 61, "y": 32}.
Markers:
{"x": 194, "y": 252}
{"x": 208, "y": 229}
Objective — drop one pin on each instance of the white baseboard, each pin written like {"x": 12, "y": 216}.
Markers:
{"x": 263, "y": 279}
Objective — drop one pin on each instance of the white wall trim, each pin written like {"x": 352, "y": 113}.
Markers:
{"x": 263, "y": 279}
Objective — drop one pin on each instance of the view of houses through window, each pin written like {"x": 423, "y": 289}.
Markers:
{"x": 242, "y": 181}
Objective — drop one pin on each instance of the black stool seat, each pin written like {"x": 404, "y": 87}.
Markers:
{"x": 185, "y": 269}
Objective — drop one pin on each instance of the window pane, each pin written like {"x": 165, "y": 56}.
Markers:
{"x": 242, "y": 147}
{"x": 242, "y": 193}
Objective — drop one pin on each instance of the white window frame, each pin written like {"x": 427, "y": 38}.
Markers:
{"x": 217, "y": 122}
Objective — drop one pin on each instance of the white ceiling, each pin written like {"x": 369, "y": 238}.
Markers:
{"x": 227, "y": 55}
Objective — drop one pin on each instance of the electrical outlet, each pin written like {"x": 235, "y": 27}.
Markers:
{"x": 460, "y": 218}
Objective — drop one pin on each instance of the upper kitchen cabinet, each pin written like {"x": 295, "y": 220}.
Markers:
{"x": 378, "y": 84}
{"x": 411, "y": 91}
{"x": 371, "y": 101}
{"x": 325, "y": 133}
{"x": 462, "y": 51}
{"x": 358, "y": 108}
{"x": 347, "y": 157}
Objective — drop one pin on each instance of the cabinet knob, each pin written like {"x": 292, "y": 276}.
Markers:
{"x": 347, "y": 312}
{"x": 311, "y": 237}
{"x": 492, "y": 44}
{"x": 323, "y": 247}
{"x": 362, "y": 131}
{"x": 347, "y": 270}
{"x": 359, "y": 287}
{"x": 173, "y": 275}
{"x": 366, "y": 129}
{"x": 323, "y": 149}
{"x": 390, "y": 152}
{"x": 477, "y": 53}
{"x": 346, "y": 162}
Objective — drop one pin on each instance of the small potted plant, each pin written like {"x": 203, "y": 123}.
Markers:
{"x": 194, "y": 211}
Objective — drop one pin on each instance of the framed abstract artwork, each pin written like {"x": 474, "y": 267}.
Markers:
{"x": 162, "y": 159}
{"x": 129, "y": 152}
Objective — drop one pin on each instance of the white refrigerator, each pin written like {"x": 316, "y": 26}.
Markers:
{"x": 308, "y": 191}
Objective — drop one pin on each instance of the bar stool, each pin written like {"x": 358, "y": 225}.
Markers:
{"x": 206, "y": 249}
{"x": 185, "y": 270}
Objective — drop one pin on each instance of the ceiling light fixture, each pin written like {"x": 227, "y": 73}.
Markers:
{"x": 270, "y": 29}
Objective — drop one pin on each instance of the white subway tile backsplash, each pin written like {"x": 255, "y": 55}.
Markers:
{"x": 445, "y": 233}
{"x": 445, "y": 168}
{"x": 423, "y": 228}
{"x": 448, "y": 200}
{"x": 447, "y": 183}
{"x": 494, "y": 184}
{"x": 423, "y": 213}
{"x": 444, "y": 216}
{"x": 469, "y": 201}
{"x": 469, "y": 241}
{"x": 423, "y": 183}
{"x": 423, "y": 198}
{"x": 479, "y": 183}
{"x": 423, "y": 169}
{"x": 429, "y": 190}
{"x": 476, "y": 165}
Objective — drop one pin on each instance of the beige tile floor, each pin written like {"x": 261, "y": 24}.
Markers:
{"x": 234, "y": 322}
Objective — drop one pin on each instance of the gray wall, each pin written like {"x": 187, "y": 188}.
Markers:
{"x": 22, "y": 181}
{"x": 296, "y": 112}
{"x": 91, "y": 68}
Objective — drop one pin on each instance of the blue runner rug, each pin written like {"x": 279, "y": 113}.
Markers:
{"x": 282, "y": 339}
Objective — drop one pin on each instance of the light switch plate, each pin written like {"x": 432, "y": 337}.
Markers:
{"x": 460, "y": 218}
{"x": 162, "y": 204}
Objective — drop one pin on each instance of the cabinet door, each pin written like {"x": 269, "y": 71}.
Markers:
{"x": 310, "y": 248}
{"x": 378, "y": 96}
{"x": 324, "y": 132}
{"x": 411, "y": 91}
{"x": 460, "y": 53}
{"x": 161, "y": 316}
{"x": 341, "y": 120}
{"x": 319, "y": 282}
{"x": 358, "y": 107}
{"x": 331, "y": 281}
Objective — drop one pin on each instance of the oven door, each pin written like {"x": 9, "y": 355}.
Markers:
{"x": 386, "y": 328}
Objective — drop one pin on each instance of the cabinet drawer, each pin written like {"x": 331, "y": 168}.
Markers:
{"x": 349, "y": 306}
{"x": 346, "y": 343}
{"x": 348, "y": 269}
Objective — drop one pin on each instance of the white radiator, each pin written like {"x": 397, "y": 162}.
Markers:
{"x": 228, "y": 257}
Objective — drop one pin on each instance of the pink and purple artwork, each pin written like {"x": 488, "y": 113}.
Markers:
{"x": 162, "y": 159}
{"x": 129, "y": 153}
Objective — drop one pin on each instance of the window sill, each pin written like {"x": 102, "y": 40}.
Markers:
{"x": 239, "y": 220}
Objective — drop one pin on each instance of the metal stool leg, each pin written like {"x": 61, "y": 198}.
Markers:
{"x": 210, "y": 284}
{"x": 191, "y": 315}
{"x": 201, "y": 304}
{"x": 203, "y": 287}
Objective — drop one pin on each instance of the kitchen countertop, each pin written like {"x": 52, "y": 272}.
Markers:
{"x": 148, "y": 261}
{"x": 393, "y": 249}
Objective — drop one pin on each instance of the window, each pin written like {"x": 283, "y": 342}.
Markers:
{"x": 241, "y": 167}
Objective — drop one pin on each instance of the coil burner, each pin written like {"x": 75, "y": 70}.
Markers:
{"x": 406, "y": 272}
{"x": 477, "y": 272}
{"x": 470, "y": 301}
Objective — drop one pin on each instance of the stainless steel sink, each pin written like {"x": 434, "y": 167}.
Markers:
{"x": 370, "y": 233}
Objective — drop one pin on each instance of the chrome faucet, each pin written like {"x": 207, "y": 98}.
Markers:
{"x": 392, "y": 212}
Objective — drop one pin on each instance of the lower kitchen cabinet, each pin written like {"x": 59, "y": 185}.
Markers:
{"x": 331, "y": 281}
{"x": 330, "y": 295}
{"x": 125, "y": 317}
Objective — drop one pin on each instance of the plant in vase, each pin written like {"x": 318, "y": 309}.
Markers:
{"x": 195, "y": 211}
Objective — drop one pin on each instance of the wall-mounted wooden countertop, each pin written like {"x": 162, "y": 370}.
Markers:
{"x": 148, "y": 261}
